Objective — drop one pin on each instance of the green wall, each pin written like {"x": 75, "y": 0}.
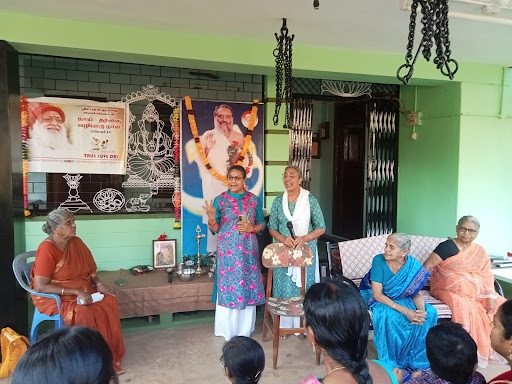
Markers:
{"x": 459, "y": 163}
{"x": 115, "y": 241}
{"x": 428, "y": 165}
{"x": 62, "y": 37}
{"x": 485, "y": 171}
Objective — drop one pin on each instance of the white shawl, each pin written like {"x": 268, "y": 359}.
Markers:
{"x": 300, "y": 220}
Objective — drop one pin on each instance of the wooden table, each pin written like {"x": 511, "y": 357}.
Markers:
{"x": 150, "y": 294}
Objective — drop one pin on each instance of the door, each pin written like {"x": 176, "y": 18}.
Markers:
{"x": 349, "y": 168}
{"x": 365, "y": 168}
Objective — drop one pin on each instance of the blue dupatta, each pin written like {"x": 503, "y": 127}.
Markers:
{"x": 398, "y": 342}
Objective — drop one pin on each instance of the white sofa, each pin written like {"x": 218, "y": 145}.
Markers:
{"x": 354, "y": 259}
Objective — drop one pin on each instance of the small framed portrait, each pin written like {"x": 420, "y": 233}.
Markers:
{"x": 164, "y": 253}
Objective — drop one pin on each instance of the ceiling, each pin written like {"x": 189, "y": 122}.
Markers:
{"x": 363, "y": 25}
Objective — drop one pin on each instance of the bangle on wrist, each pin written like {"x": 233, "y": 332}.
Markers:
{"x": 310, "y": 238}
{"x": 394, "y": 305}
{"x": 209, "y": 223}
{"x": 62, "y": 292}
{"x": 406, "y": 312}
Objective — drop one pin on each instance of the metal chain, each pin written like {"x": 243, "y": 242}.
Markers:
{"x": 283, "y": 55}
{"x": 434, "y": 30}
{"x": 428, "y": 28}
{"x": 412, "y": 29}
{"x": 288, "y": 78}
{"x": 278, "y": 53}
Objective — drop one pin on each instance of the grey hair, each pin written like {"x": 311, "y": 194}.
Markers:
{"x": 54, "y": 219}
{"x": 296, "y": 168}
{"x": 403, "y": 240}
{"x": 471, "y": 219}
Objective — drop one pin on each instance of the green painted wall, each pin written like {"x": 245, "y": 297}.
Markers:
{"x": 428, "y": 165}
{"x": 115, "y": 241}
{"x": 62, "y": 37}
{"x": 485, "y": 171}
{"x": 433, "y": 189}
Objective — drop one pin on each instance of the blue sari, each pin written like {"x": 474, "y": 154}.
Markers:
{"x": 397, "y": 341}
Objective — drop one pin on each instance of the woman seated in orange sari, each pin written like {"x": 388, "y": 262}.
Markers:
{"x": 462, "y": 278}
{"x": 65, "y": 266}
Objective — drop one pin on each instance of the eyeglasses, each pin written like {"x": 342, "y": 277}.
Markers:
{"x": 287, "y": 176}
{"x": 235, "y": 178}
{"x": 471, "y": 231}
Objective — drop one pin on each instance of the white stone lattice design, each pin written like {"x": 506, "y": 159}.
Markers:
{"x": 150, "y": 153}
{"x": 138, "y": 204}
{"x": 346, "y": 88}
{"x": 108, "y": 200}
{"x": 74, "y": 203}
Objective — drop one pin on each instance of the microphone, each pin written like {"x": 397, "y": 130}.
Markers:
{"x": 290, "y": 228}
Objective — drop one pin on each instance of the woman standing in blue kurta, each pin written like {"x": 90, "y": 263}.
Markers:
{"x": 300, "y": 208}
{"x": 238, "y": 275}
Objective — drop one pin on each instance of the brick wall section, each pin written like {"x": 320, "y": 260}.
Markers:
{"x": 59, "y": 76}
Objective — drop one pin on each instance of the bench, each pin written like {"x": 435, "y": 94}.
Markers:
{"x": 353, "y": 258}
{"x": 150, "y": 294}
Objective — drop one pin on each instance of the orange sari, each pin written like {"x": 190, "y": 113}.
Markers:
{"x": 74, "y": 268}
{"x": 465, "y": 282}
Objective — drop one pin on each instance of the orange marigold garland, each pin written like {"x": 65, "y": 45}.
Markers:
{"x": 177, "y": 170}
{"x": 24, "y": 151}
{"x": 200, "y": 150}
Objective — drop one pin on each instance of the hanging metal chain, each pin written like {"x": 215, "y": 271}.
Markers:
{"x": 288, "y": 79}
{"x": 435, "y": 29}
{"x": 283, "y": 55}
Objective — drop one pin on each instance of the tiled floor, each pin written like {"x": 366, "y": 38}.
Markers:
{"x": 190, "y": 355}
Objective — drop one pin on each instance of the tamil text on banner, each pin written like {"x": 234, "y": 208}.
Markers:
{"x": 77, "y": 136}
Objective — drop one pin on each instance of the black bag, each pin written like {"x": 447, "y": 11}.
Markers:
{"x": 140, "y": 269}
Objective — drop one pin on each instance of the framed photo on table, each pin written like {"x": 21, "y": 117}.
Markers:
{"x": 164, "y": 253}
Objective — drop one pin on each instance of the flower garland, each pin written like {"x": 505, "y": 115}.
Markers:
{"x": 200, "y": 150}
{"x": 177, "y": 170}
{"x": 24, "y": 151}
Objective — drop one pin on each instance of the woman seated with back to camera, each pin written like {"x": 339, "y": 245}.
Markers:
{"x": 401, "y": 318}
{"x": 337, "y": 322}
{"x": 462, "y": 278}
{"x": 67, "y": 356}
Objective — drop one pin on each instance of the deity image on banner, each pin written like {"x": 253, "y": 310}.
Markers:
{"x": 221, "y": 131}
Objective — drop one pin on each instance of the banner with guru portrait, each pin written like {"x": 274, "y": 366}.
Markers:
{"x": 221, "y": 129}
{"x": 76, "y": 136}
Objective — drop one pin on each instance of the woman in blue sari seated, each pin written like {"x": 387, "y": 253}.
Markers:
{"x": 401, "y": 319}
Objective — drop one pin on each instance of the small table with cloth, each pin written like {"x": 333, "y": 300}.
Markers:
{"x": 151, "y": 294}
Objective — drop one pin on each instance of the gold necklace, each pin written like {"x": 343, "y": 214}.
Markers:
{"x": 331, "y": 371}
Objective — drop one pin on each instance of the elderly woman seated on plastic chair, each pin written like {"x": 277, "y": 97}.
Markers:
{"x": 64, "y": 265}
{"x": 401, "y": 318}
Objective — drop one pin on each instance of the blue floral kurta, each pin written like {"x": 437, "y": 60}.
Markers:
{"x": 239, "y": 281}
{"x": 283, "y": 286}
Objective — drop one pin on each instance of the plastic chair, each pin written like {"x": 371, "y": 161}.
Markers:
{"x": 22, "y": 267}
{"x": 274, "y": 256}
